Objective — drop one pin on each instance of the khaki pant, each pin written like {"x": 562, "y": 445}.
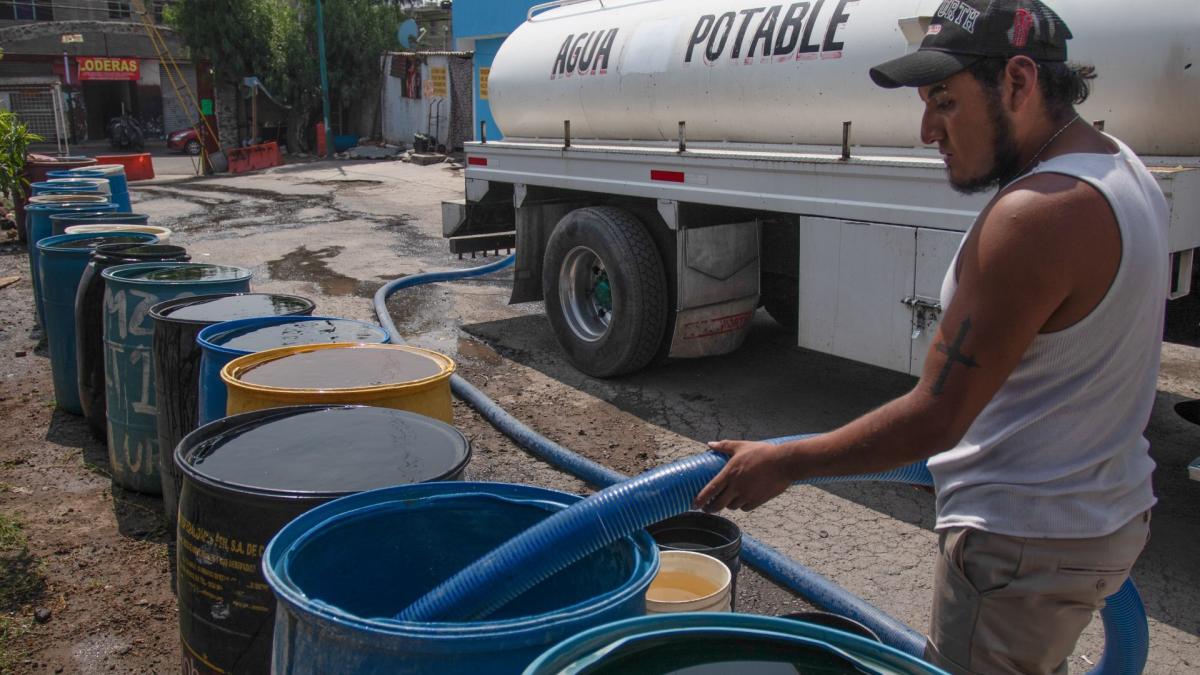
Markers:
{"x": 1018, "y": 605}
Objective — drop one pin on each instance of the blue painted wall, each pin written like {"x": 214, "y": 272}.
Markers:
{"x": 486, "y": 22}
{"x": 480, "y": 18}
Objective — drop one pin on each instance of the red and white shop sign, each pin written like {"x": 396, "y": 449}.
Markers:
{"x": 108, "y": 68}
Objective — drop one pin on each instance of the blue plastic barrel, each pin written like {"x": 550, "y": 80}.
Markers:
{"x": 59, "y": 222}
{"x": 61, "y": 261}
{"x": 37, "y": 217}
{"x": 722, "y": 643}
{"x": 130, "y": 291}
{"x": 340, "y": 569}
{"x": 224, "y": 342}
{"x": 114, "y": 173}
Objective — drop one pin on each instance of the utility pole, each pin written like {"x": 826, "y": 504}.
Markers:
{"x": 324, "y": 79}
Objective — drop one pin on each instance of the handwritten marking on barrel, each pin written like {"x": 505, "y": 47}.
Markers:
{"x": 144, "y": 405}
{"x": 137, "y": 319}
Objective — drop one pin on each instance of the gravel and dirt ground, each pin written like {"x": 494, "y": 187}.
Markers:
{"x": 85, "y": 565}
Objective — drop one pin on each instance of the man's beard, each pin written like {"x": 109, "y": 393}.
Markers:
{"x": 1005, "y": 155}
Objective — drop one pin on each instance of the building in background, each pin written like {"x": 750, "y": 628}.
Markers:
{"x": 99, "y": 51}
{"x": 481, "y": 26}
{"x": 427, "y": 100}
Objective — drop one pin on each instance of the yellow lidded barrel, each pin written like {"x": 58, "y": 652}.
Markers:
{"x": 385, "y": 376}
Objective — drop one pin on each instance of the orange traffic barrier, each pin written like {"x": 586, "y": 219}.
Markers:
{"x": 137, "y": 167}
{"x": 252, "y": 157}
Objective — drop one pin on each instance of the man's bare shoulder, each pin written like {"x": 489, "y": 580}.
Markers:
{"x": 1047, "y": 209}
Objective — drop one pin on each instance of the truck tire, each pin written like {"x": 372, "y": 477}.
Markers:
{"x": 605, "y": 291}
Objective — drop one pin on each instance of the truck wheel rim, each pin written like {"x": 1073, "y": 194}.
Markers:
{"x": 585, "y": 293}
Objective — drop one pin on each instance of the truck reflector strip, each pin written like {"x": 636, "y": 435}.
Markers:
{"x": 477, "y": 161}
{"x": 667, "y": 176}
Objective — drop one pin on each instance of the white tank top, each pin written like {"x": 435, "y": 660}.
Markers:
{"x": 1059, "y": 452}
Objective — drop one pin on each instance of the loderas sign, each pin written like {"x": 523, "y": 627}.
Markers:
{"x": 108, "y": 68}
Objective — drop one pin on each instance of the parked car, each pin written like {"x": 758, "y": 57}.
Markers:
{"x": 184, "y": 140}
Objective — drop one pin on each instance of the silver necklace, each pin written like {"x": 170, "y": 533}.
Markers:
{"x": 1042, "y": 149}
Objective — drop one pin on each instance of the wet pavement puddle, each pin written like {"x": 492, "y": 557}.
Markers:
{"x": 303, "y": 264}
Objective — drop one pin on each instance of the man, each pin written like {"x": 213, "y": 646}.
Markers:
{"x": 1033, "y": 400}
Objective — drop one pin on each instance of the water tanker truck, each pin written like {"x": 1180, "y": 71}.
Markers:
{"x": 668, "y": 166}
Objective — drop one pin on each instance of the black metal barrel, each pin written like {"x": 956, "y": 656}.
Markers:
{"x": 177, "y": 364}
{"x": 246, "y": 476}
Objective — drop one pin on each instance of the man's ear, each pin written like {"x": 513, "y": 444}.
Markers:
{"x": 1020, "y": 82}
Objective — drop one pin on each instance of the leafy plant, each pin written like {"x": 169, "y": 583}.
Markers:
{"x": 15, "y": 139}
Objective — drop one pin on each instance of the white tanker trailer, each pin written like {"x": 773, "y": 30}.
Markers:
{"x": 668, "y": 166}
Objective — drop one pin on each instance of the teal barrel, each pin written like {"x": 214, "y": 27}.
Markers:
{"x": 722, "y": 643}
{"x": 130, "y": 291}
{"x": 89, "y": 322}
{"x": 342, "y": 570}
{"x": 223, "y": 342}
{"x": 38, "y": 226}
{"x": 61, "y": 263}
{"x": 59, "y": 222}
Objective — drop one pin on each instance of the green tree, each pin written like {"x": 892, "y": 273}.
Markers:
{"x": 276, "y": 40}
{"x": 230, "y": 34}
{"x": 357, "y": 33}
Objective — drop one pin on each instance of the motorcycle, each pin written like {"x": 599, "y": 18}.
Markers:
{"x": 125, "y": 132}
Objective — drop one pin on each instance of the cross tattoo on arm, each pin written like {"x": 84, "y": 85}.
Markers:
{"x": 954, "y": 355}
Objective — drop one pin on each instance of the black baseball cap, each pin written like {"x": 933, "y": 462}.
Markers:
{"x": 966, "y": 31}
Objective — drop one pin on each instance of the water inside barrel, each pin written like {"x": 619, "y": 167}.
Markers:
{"x": 319, "y": 331}
{"x": 239, "y": 307}
{"x": 337, "y": 450}
{"x": 343, "y": 369}
{"x": 189, "y": 273}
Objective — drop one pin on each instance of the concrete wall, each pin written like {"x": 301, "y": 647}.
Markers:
{"x": 100, "y": 38}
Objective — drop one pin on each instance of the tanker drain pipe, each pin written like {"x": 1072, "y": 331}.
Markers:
{"x": 671, "y": 488}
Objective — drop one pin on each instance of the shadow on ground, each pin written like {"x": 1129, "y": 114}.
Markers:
{"x": 138, "y": 516}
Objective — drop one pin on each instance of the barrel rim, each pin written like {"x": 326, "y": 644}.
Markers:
{"x": 111, "y": 214}
{"x": 220, "y": 330}
{"x": 156, "y": 312}
{"x": 231, "y": 372}
{"x": 163, "y": 233}
{"x": 726, "y": 587}
{"x": 103, "y": 169}
{"x": 119, "y": 273}
{"x": 239, "y": 420}
{"x": 51, "y": 244}
{"x": 114, "y": 253}
{"x": 92, "y": 202}
{"x": 574, "y": 650}
{"x": 452, "y": 634}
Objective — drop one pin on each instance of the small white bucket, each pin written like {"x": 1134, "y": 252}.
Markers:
{"x": 162, "y": 233}
{"x": 689, "y": 582}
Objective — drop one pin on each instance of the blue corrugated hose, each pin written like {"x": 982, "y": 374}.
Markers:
{"x": 625, "y": 506}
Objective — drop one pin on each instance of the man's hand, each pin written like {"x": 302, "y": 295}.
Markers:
{"x": 755, "y": 474}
